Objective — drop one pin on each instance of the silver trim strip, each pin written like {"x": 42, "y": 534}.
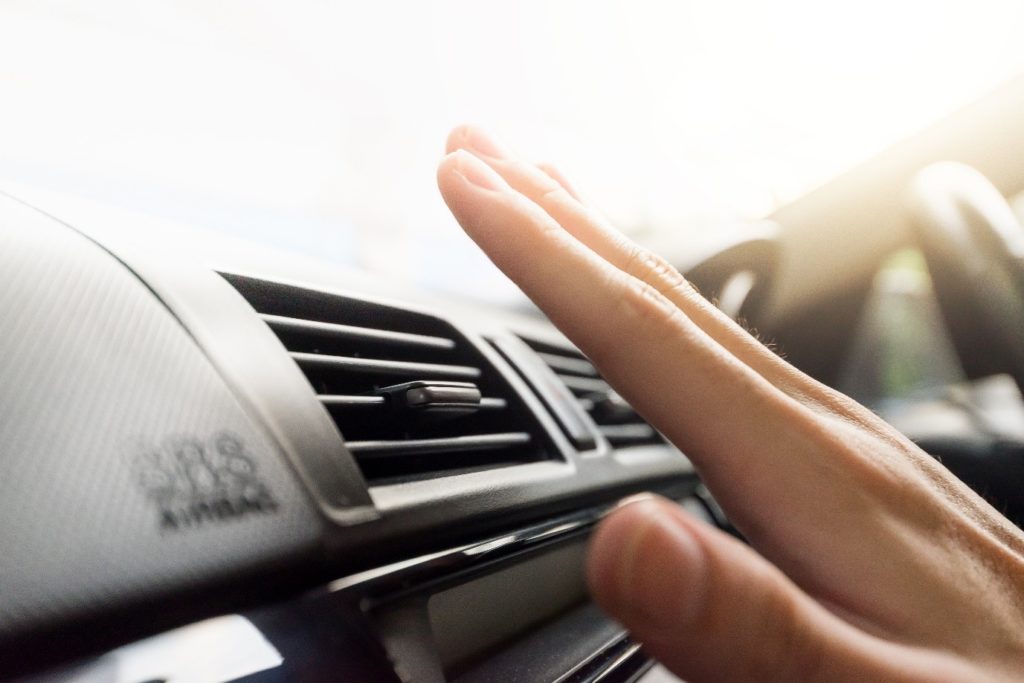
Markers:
{"x": 384, "y": 367}
{"x": 285, "y": 323}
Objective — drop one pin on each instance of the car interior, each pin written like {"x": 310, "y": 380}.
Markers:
{"x": 226, "y": 460}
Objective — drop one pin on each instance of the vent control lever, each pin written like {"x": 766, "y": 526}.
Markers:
{"x": 434, "y": 400}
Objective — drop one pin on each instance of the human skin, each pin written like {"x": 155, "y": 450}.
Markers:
{"x": 867, "y": 560}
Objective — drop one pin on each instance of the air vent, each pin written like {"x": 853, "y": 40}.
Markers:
{"x": 412, "y": 398}
{"x": 616, "y": 419}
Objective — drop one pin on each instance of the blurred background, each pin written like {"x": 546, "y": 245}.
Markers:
{"x": 317, "y": 125}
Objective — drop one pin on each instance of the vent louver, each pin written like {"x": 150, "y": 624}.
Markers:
{"x": 411, "y": 396}
{"x": 618, "y": 422}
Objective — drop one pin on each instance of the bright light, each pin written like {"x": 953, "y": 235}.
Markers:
{"x": 318, "y": 124}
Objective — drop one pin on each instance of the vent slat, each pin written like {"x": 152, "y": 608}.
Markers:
{"x": 348, "y": 401}
{"x": 493, "y": 403}
{"x": 592, "y": 385}
{"x": 345, "y": 401}
{"x": 572, "y": 366}
{"x": 388, "y": 448}
{"x": 617, "y": 421}
{"x": 628, "y": 433}
{"x": 385, "y": 367}
{"x": 350, "y": 332}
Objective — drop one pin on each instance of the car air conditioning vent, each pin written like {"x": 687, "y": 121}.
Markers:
{"x": 411, "y": 396}
{"x": 618, "y": 422}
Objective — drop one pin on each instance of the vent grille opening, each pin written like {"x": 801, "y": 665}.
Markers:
{"x": 618, "y": 422}
{"x": 412, "y": 398}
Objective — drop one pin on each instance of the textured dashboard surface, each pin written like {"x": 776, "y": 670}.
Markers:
{"x": 128, "y": 470}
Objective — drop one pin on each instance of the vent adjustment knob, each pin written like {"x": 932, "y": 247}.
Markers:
{"x": 433, "y": 399}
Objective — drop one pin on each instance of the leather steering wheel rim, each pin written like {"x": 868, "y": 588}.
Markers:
{"x": 973, "y": 244}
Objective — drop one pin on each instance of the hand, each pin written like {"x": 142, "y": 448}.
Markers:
{"x": 868, "y": 560}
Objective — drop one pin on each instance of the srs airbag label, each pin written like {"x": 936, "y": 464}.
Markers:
{"x": 194, "y": 482}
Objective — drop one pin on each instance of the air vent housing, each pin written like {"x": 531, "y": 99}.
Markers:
{"x": 620, "y": 424}
{"x": 411, "y": 396}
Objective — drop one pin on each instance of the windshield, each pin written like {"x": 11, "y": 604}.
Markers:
{"x": 317, "y": 126}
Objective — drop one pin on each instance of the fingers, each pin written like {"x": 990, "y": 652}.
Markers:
{"x": 560, "y": 178}
{"x": 727, "y": 417}
{"x": 709, "y": 608}
{"x": 548, "y": 188}
{"x": 552, "y": 191}
{"x": 649, "y": 350}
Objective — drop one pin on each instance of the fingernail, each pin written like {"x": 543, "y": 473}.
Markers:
{"x": 477, "y": 172}
{"x": 483, "y": 143}
{"x": 658, "y": 567}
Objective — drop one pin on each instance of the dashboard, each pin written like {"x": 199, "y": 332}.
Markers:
{"x": 242, "y": 465}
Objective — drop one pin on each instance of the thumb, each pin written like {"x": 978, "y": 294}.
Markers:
{"x": 710, "y": 608}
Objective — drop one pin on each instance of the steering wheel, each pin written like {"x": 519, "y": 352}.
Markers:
{"x": 973, "y": 244}
{"x": 738, "y": 276}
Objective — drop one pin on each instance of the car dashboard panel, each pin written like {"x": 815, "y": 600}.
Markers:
{"x": 364, "y": 483}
